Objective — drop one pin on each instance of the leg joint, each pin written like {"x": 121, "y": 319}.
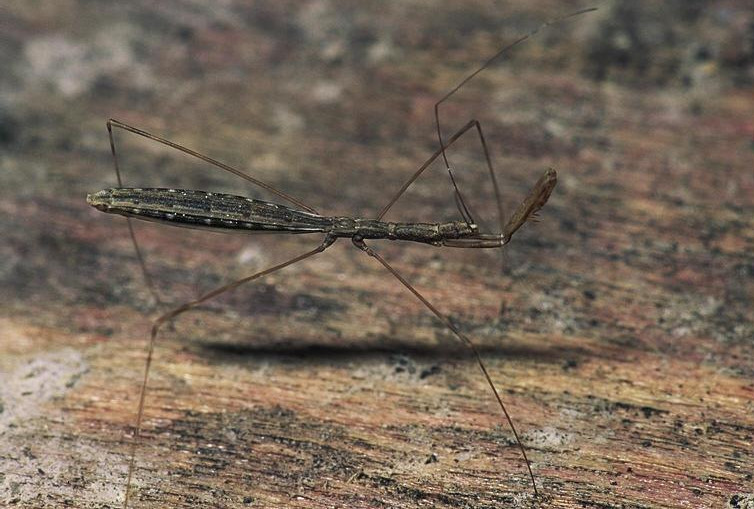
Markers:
{"x": 358, "y": 241}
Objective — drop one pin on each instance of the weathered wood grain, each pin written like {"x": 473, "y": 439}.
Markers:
{"x": 620, "y": 329}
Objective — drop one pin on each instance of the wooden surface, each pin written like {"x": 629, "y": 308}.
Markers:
{"x": 619, "y": 330}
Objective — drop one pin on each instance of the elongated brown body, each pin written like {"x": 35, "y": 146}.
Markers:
{"x": 228, "y": 212}
{"x": 200, "y": 209}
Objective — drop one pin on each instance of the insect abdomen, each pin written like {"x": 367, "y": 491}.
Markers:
{"x": 200, "y": 209}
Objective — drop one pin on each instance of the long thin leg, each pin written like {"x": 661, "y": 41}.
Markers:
{"x": 182, "y": 309}
{"x": 468, "y": 78}
{"x": 115, "y": 123}
{"x": 362, "y": 245}
{"x": 436, "y": 154}
{"x": 139, "y": 255}
{"x": 485, "y": 65}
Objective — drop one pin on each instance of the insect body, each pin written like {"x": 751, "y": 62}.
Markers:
{"x": 227, "y": 212}
{"x": 198, "y": 209}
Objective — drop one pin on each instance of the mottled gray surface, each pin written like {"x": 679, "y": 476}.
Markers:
{"x": 620, "y": 330}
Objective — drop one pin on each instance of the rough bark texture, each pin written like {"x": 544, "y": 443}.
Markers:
{"x": 619, "y": 329}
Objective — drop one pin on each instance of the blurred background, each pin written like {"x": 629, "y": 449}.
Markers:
{"x": 619, "y": 328}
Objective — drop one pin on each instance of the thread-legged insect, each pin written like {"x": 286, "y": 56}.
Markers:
{"x": 203, "y": 210}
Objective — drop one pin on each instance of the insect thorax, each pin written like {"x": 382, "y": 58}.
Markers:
{"x": 427, "y": 233}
